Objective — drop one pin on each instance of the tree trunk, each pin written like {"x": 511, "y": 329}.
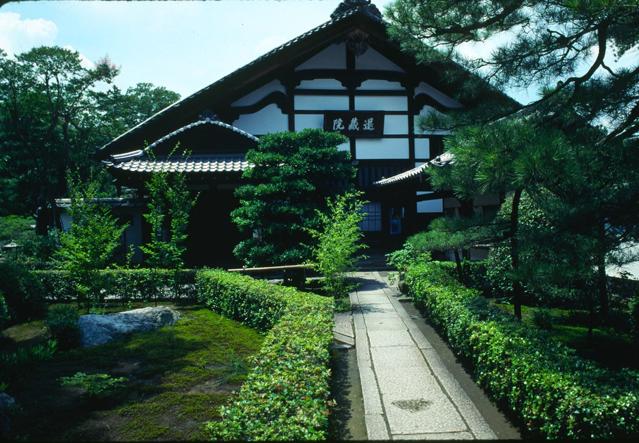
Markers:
{"x": 601, "y": 272}
{"x": 460, "y": 271}
{"x": 514, "y": 253}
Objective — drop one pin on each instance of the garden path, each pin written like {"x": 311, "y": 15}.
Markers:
{"x": 408, "y": 392}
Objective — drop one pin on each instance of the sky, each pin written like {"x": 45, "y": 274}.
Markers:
{"x": 183, "y": 46}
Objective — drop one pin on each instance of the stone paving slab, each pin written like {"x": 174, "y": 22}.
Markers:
{"x": 408, "y": 392}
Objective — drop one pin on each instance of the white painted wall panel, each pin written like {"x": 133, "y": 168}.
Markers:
{"x": 396, "y": 124}
{"x": 422, "y": 148}
{"x": 425, "y": 88}
{"x": 321, "y": 83}
{"x": 304, "y": 121}
{"x": 260, "y": 93}
{"x": 429, "y": 206}
{"x": 344, "y": 147}
{"x": 268, "y": 119}
{"x": 321, "y": 103}
{"x": 383, "y": 148}
{"x": 381, "y": 84}
{"x": 378, "y": 103}
{"x": 332, "y": 57}
{"x": 372, "y": 59}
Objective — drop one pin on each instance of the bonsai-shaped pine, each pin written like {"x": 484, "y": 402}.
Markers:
{"x": 338, "y": 241}
{"x": 292, "y": 175}
{"x": 92, "y": 240}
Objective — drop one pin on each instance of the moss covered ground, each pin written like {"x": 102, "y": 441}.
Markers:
{"x": 177, "y": 377}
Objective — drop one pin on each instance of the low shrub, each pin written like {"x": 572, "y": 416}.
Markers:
{"x": 555, "y": 393}
{"x": 15, "y": 363}
{"x": 542, "y": 319}
{"x": 23, "y": 293}
{"x": 95, "y": 386}
{"x": 124, "y": 284}
{"x": 286, "y": 395}
{"x": 62, "y": 322}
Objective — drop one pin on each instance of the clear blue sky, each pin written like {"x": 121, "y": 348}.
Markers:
{"x": 183, "y": 46}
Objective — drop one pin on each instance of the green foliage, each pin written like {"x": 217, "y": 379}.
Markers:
{"x": 338, "y": 241}
{"x": 34, "y": 250}
{"x": 286, "y": 395}
{"x": 123, "y": 284}
{"x": 23, "y": 293}
{"x": 293, "y": 174}
{"x": 168, "y": 214}
{"x": 92, "y": 240}
{"x": 53, "y": 114}
{"x": 554, "y": 393}
{"x": 4, "y": 312}
{"x": 95, "y": 385}
{"x": 62, "y": 322}
{"x": 15, "y": 364}
{"x": 542, "y": 319}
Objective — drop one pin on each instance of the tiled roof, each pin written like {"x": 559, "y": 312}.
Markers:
{"x": 350, "y": 12}
{"x": 204, "y": 164}
{"x": 206, "y": 121}
{"x": 441, "y": 160}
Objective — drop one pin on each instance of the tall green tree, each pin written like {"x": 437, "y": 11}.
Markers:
{"x": 92, "y": 240}
{"x": 169, "y": 207}
{"x": 54, "y": 113}
{"x": 293, "y": 174}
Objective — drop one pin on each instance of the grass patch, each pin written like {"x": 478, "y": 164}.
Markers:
{"x": 177, "y": 378}
{"x": 607, "y": 347}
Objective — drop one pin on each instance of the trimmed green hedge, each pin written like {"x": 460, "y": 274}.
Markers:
{"x": 286, "y": 395}
{"x": 555, "y": 393}
{"x": 124, "y": 284}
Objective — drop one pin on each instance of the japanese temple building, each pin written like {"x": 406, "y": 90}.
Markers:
{"x": 345, "y": 75}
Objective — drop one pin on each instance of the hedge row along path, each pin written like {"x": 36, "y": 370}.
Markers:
{"x": 408, "y": 392}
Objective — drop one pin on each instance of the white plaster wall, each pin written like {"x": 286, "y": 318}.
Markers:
{"x": 321, "y": 83}
{"x": 65, "y": 220}
{"x": 396, "y": 124}
{"x": 379, "y": 103}
{"x": 259, "y": 93}
{"x": 372, "y": 59}
{"x": 346, "y": 146}
{"x": 429, "y": 206}
{"x": 304, "y": 121}
{"x": 332, "y": 57}
{"x": 381, "y": 84}
{"x": 425, "y": 88}
{"x": 422, "y": 148}
{"x": 321, "y": 103}
{"x": 383, "y": 148}
{"x": 268, "y": 119}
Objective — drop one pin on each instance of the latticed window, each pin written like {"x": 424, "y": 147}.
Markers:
{"x": 373, "y": 217}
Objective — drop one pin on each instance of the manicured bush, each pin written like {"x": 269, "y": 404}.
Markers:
{"x": 555, "y": 393}
{"x": 62, "y": 322}
{"x": 124, "y": 284}
{"x": 23, "y": 292}
{"x": 286, "y": 395}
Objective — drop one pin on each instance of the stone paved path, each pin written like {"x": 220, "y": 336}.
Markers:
{"x": 408, "y": 392}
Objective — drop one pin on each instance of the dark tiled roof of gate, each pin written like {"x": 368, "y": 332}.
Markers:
{"x": 204, "y": 164}
{"x": 441, "y": 160}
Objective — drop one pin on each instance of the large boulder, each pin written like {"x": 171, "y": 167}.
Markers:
{"x": 100, "y": 329}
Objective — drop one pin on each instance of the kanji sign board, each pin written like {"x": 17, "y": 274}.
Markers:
{"x": 358, "y": 124}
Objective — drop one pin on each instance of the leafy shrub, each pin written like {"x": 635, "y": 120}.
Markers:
{"x": 124, "y": 284}
{"x": 286, "y": 395}
{"x": 15, "y": 363}
{"x": 4, "y": 312}
{"x": 555, "y": 393}
{"x": 63, "y": 325}
{"x": 95, "y": 385}
{"x": 23, "y": 292}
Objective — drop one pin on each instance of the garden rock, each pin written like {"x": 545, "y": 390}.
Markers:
{"x": 7, "y": 403}
{"x": 100, "y": 329}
